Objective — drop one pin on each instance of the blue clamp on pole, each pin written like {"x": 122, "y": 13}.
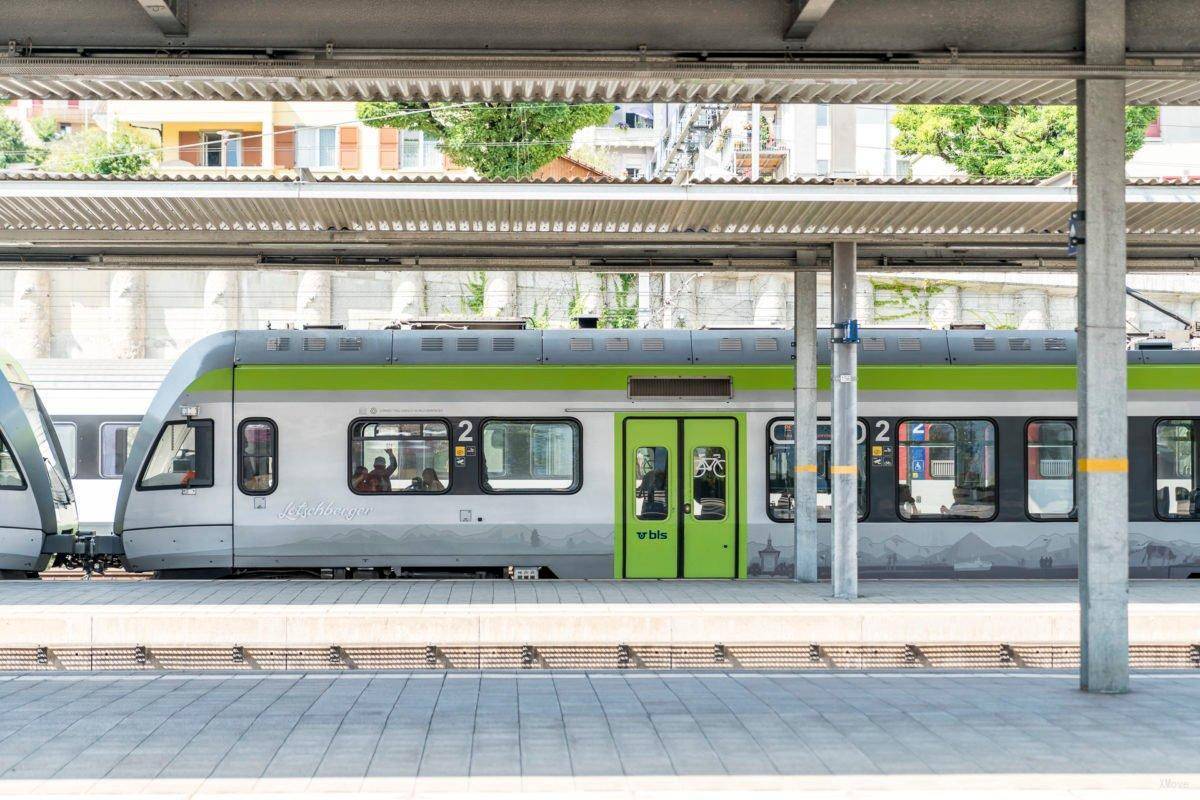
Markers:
{"x": 844, "y": 332}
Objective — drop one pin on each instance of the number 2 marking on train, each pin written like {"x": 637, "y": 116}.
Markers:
{"x": 883, "y": 430}
{"x": 464, "y": 430}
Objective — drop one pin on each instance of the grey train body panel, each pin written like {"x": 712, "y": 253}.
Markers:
{"x": 37, "y": 508}
{"x": 312, "y": 519}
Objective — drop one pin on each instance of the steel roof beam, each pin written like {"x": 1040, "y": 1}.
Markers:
{"x": 806, "y": 15}
{"x": 169, "y": 15}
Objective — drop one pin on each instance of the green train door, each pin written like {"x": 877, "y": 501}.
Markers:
{"x": 679, "y": 483}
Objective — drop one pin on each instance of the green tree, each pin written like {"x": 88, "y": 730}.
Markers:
{"x": 496, "y": 140}
{"x": 91, "y": 151}
{"x": 13, "y": 149}
{"x": 1004, "y": 141}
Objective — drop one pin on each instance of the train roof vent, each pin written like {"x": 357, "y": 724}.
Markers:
{"x": 617, "y": 343}
{"x": 504, "y": 344}
{"x": 656, "y": 344}
{"x": 1055, "y": 343}
{"x": 279, "y": 344}
{"x": 766, "y": 344}
{"x": 349, "y": 343}
{"x": 432, "y": 344}
{"x": 983, "y": 343}
{"x": 1020, "y": 343}
{"x": 874, "y": 344}
{"x": 910, "y": 344}
{"x": 680, "y": 388}
{"x": 730, "y": 344}
{"x": 581, "y": 345}
{"x": 314, "y": 343}
{"x": 467, "y": 344}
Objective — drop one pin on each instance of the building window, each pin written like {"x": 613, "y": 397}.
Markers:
{"x": 258, "y": 439}
{"x": 10, "y": 473}
{"x": 650, "y": 483}
{"x": 399, "y": 456}
{"x": 531, "y": 456}
{"x": 1050, "y": 469}
{"x": 116, "y": 443}
{"x": 822, "y": 116}
{"x": 316, "y": 148}
{"x": 633, "y": 173}
{"x": 781, "y": 472}
{"x": 222, "y": 150}
{"x": 1175, "y": 469}
{"x": 182, "y": 458}
{"x": 418, "y": 151}
{"x": 68, "y": 440}
{"x": 946, "y": 469}
{"x": 822, "y": 166}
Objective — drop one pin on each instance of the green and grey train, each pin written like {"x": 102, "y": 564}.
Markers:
{"x": 634, "y": 453}
{"x": 36, "y": 499}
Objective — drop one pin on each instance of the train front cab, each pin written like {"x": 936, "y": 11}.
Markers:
{"x": 36, "y": 499}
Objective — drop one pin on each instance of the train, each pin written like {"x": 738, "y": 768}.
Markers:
{"x": 37, "y": 503}
{"x": 637, "y": 453}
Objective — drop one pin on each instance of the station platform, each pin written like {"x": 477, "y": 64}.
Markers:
{"x": 440, "y": 624}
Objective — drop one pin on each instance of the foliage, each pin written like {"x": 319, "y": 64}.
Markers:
{"x": 92, "y": 151}
{"x": 539, "y": 317}
{"x": 497, "y": 140}
{"x": 575, "y": 304}
{"x": 476, "y": 286}
{"x": 601, "y": 158}
{"x": 45, "y": 128}
{"x": 13, "y": 149}
{"x": 907, "y": 301}
{"x": 1004, "y": 141}
{"x": 623, "y": 311}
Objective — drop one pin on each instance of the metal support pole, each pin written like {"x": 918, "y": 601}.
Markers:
{"x": 755, "y": 141}
{"x": 804, "y": 428}
{"x": 1103, "y": 453}
{"x": 843, "y": 466}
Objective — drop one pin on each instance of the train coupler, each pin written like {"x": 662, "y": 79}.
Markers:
{"x": 85, "y": 550}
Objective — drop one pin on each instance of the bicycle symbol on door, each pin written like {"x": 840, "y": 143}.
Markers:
{"x": 704, "y": 465}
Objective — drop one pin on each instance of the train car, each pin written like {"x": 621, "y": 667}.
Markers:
{"x": 36, "y": 498}
{"x": 634, "y": 453}
{"x": 96, "y": 407}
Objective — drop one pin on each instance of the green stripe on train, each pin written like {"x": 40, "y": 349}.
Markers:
{"x": 933, "y": 377}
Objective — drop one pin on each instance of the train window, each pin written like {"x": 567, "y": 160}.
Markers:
{"x": 650, "y": 483}
{"x": 1050, "y": 469}
{"x": 781, "y": 471}
{"x": 1175, "y": 469}
{"x": 946, "y": 469}
{"x": 531, "y": 456}
{"x": 68, "y": 439}
{"x": 399, "y": 457}
{"x": 708, "y": 483}
{"x": 182, "y": 457}
{"x": 258, "y": 440}
{"x": 116, "y": 443}
{"x": 10, "y": 474}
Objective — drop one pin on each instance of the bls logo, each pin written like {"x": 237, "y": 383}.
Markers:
{"x": 652, "y": 534}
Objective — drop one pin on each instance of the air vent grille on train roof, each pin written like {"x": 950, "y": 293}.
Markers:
{"x": 874, "y": 344}
{"x": 432, "y": 344}
{"x": 581, "y": 345}
{"x": 680, "y": 388}
{"x": 1055, "y": 343}
{"x": 314, "y": 344}
{"x": 617, "y": 343}
{"x": 655, "y": 345}
{"x": 730, "y": 344}
{"x": 1020, "y": 343}
{"x": 279, "y": 344}
{"x": 468, "y": 344}
{"x": 349, "y": 343}
{"x": 983, "y": 343}
{"x": 910, "y": 344}
{"x": 766, "y": 344}
{"x": 504, "y": 344}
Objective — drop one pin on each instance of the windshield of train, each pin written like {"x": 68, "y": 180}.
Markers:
{"x": 60, "y": 484}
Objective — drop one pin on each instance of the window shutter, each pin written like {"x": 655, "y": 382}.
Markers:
{"x": 252, "y": 144}
{"x": 189, "y": 147}
{"x": 285, "y": 149}
{"x": 348, "y": 147}
{"x": 389, "y": 148}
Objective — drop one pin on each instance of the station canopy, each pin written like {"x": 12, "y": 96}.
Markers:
{"x": 787, "y": 51}
{"x": 362, "y": 223}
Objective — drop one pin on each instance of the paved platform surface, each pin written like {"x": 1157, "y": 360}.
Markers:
{"x": 597, "y": 735}
{"x": 487, "y": 613}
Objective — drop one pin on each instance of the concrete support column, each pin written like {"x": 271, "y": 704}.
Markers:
{"x": 408, "y": 295}
{"x": 843, "y": 466}
{"x": 127, "y": 312}
{"x": 222, "y": 300}
{"x": 499, "y": 294}
{"x": 1103, "y": 452}
{"x": 314, "y": 298}
{"x": 1033, "y": 310}
{"x": 804, "y": 429}
{"x": 31, "y": 310}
